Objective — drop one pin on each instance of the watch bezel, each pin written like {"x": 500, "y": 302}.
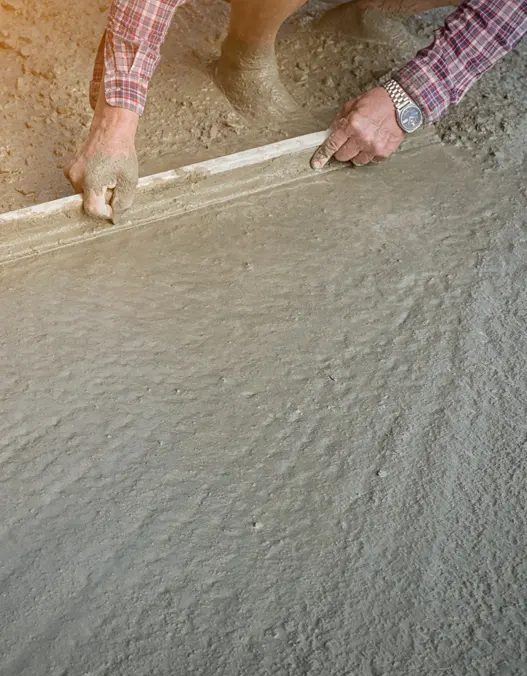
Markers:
{"x": 400, "y": 115}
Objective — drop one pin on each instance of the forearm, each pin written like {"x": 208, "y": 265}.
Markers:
{"x": 129, "y": 51}
{"x": 477, "y": 35}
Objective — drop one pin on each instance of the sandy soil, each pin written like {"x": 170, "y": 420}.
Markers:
{"x": 43, "y": 92}
{"x": 283, "y": 437}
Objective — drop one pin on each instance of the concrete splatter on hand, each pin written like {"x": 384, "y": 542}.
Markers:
{"x": 365, "y": 130}
{"x": 106, "y": 161}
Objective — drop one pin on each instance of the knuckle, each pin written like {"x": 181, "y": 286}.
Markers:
{"x": 355, "y": 124}
{"x": 94, "y": 212}
{"x": 90, "y": 210}
{"x": 329, "y": 148}
{"x": 75, "y": 177}
{"x": 368, "y": 137}
{"x": 71, "y": 172}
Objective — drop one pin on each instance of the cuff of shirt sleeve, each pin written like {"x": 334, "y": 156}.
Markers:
{"x": 422, "y": 84}
{"x": 121, "y": 90}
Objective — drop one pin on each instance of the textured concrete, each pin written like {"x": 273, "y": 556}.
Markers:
{"x": 287, "y": 437}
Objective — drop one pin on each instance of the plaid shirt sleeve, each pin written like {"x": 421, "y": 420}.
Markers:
{"x": 130, "y": 51}
{"x": 474, "y": 38}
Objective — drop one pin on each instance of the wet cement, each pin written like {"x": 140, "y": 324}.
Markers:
{"x": 285, "y": 436}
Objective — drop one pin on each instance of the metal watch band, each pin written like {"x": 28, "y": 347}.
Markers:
{"x": 399, "y": 97}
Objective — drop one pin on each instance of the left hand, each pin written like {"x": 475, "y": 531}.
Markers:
{"x": 365, "y": 130}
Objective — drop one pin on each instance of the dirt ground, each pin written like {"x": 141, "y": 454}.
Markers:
{"x": 47, "y": 50}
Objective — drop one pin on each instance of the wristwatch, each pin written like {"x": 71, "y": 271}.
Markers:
{"x": 408, "y": 114}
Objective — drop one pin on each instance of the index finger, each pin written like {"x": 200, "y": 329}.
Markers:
{"x": 331, "y": 145}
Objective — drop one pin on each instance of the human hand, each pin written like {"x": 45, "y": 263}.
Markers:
{"x": 106, "y": 161}
{"x": 365, "y": 130}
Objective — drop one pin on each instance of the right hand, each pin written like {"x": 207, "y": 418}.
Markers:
{"x": 365, "y": 130}
{"x": 106, "y": 161}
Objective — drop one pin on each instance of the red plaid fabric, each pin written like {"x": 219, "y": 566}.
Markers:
{"x": 474, "y": 38}
{"x": 130, "y": 51}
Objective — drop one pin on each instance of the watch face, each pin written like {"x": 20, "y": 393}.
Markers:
{"x": 411, "y": 118}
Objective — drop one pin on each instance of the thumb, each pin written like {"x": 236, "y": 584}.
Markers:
{"x": 95, "y": 203}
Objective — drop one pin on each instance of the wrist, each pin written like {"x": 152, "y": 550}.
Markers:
{"x": 118, "y": 122}
{"x": 408, "y": 114}
{"x": 423, "y": 86}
